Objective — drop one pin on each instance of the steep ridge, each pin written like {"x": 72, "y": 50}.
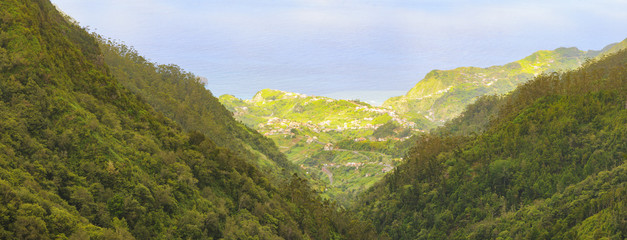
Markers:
{"x": 82, "y": 157}
{"x": 549, "y": 164}
{"x": 182, "y": 97}
{"x": 443, "y": 94}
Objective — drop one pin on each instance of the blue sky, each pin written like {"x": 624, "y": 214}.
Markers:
{"x": 360, "y": 49}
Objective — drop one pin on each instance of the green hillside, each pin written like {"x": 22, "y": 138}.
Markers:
{"x": 321, "y": 113}
{"x": 344, "y": 146}
{"x": 82, "y": 157}
{"x": 549, "y": 163}
{"x": 443, "y": 94}
{"x": 182, "y": 97}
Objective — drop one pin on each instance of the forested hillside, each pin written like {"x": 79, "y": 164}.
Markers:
{"x": 443, "y": 94}
{"x": 82, "y": 157}
{"x": 546, "y": 161}
{"x": 182, "y": 97}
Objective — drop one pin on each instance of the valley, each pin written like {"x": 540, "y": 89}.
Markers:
{"x": 326, "y": 137}
{"x": 99, "y": 142}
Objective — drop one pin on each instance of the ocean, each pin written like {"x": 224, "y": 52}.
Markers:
{"x": 367, "y": 50}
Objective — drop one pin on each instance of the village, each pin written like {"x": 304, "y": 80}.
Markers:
{"x": 386, "y": 166}
{"x": 283, "y": 126}
{"x": 304, "y": 126}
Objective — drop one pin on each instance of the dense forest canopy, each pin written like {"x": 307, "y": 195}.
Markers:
{"x": 546, "y": 161}
{"x": 82, "y": 157}
{"x": 96, "y": 142}
{"x": 182, "y": 97}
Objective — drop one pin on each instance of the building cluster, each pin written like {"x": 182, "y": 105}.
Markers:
{"x": 284, "y": 126}
{"x": 385, "y": 167}
{"x": 373, "y": 139}
{"x": 276, "y": 126}
{"x": 436, "y": 93}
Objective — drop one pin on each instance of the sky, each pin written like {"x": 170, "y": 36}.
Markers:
{"x": 368, "y": 50}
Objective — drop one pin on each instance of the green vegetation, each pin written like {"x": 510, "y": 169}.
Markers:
{"x": 82, "y": 157}
{"x": 102, "y": 144}
{"x": 547, "y": 161}
{"x": 273, "y": 107}
{"x": 325, "y": 137}
{"x": 443, "y": 94}
{"x": 301, "y": 125}
{"x": 182, "y": 97}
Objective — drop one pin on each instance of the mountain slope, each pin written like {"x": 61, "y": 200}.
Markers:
{"x": 591, "y": 209}
{"x": 442, "y": 95}
{"x": 182, "y": 97}
{"x": 82, "y": 157}
{"x": 530, "y": 160}
{"x": 344, "y": 146}
{"x": 322, "y": 113}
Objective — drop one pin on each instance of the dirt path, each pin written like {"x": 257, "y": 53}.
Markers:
{"x": 329, "y": 174}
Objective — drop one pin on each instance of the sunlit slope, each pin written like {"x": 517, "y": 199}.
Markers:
{"x": 443, "y": 94}
{"x": 82, "y": 157}
{"x": 549, "y": 164}
{"x": 345, "y": 146}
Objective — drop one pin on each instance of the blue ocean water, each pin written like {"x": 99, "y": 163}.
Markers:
{"x": 368, "y": 50}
